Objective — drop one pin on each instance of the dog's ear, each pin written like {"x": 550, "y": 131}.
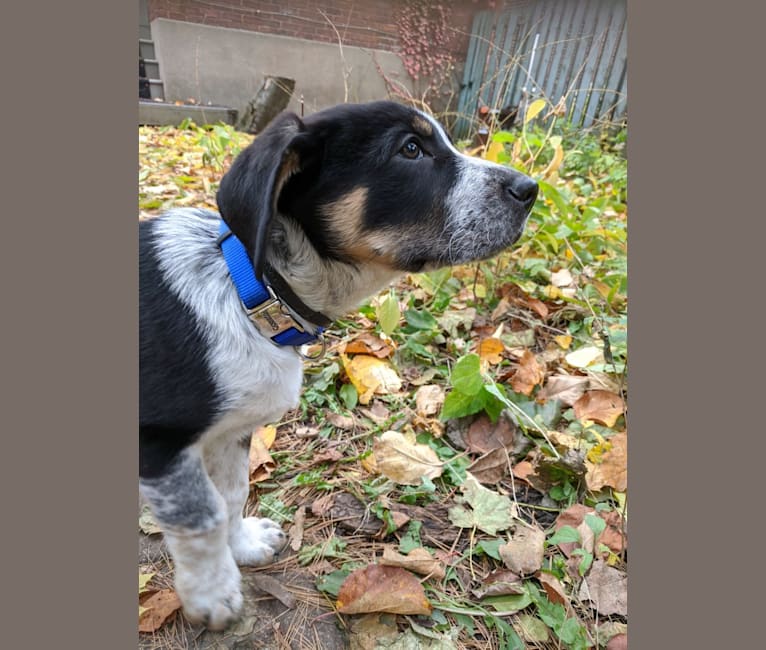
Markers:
{"x": 248, "y": 194}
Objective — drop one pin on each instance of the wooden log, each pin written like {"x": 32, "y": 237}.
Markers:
{"x": 272, "y": 99}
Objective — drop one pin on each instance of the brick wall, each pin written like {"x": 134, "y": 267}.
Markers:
{"x": 362, "y": 23}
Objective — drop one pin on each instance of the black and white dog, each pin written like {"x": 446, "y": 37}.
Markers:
{"x": 315, "y": 216}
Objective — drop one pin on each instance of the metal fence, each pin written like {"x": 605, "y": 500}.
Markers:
{"x": 570, "y": 49}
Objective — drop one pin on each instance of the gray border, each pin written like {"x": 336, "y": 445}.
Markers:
{"x": 69, "y": 461}
{"x": 695, "y": 170}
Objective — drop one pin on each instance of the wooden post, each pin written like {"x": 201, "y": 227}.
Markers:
{"x": 272, "y": 99}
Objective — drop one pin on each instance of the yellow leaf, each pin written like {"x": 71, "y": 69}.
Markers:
{"x": 371, "y": 375}
{"x": 552, "y": 292}
{"x": 553, "y": 166}
{"x": 143, "y": 579}
{"x": 493, "y": 151}
{"x": 491, "y": 351}
{"x": 267, "y": 434}
{"x": 534, "y": 109}
{"x": 563, "y": 340}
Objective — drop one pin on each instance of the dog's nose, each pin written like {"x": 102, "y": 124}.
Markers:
{"x": 522, "y": 188}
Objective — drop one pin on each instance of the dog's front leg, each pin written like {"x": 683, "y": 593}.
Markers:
{"x": 193, "y": 517}
{"x": 254, "y": 541}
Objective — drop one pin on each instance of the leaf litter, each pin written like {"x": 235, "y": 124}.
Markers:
{"x": 480, "y": 507}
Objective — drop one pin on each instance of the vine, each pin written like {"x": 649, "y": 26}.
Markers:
{"x": 426, "y": 38}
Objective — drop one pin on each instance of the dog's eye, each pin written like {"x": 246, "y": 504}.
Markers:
{"x": 411, "y": 150}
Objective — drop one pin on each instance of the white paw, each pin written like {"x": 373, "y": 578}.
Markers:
{"x": 211, "y": 597}
{"x": 256, "y": 541}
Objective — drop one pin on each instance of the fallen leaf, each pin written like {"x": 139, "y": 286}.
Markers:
{"x": 565, "y": 388}
{"x": 501, "y": 582}
{"x": 562, "y": 278}
{"x": 612, "y": 536}
{"x": 600, "y": 406}
{"x": 489, "y": 511}
{"x": 146, "y": 521}
{"x": 368, "y": 630}
{"x": 382, "y": 589}
{"x": 418, "y": 560}
{"x": 378, "y": 412}
{"x": 367, "y": 343}
{"x": 273, "y": 587}
{"x": 483, "y": 435}
{"x": 371, "y": 376}
{"x": 403, "y": 461}
{"x": 528, "y": 375}
{"x": 532, "y": 629}
{"x": 612, "y": 471}
{"x": 295, "y": 532}
{"x": 429, "y": 399}
{"x": 492, "y": 467}
{"x": 341, "y": 421}
{"x": 563, "y": 341}
{"x": 159, "y": 608}
{"x": 553, "y": 588}
{"x": 606, "y": 588}
{"x": 523, "y": 554}
{"x": 585, "y": 356}
{"x": 491, "y": 350}
{"x": 618, "y": 642}
{"x": 261, "y": 463}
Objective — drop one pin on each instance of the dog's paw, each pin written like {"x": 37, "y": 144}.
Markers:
{"x": 256, "y": 541}
{"x": 214, "y": 599}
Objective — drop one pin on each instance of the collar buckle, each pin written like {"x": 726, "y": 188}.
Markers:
{"x": 271, "y": 317}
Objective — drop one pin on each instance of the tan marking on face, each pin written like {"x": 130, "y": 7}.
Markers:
{"x": 422, "y": 126}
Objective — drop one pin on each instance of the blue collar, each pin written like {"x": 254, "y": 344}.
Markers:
{"x": 271, "y": 316}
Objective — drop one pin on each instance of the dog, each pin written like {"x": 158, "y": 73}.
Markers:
{"x": 315, "y": 215}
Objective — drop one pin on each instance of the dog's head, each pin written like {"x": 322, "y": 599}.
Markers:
{"x": 377, "y": 182}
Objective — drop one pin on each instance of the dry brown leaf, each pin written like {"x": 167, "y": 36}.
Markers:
{"x": 553, "y": 588}
{"x": 341, "y": 421}
{"x": 500, "y": 582}
{"x": 606, "y": 588}
{"x": 483, "y": 435}
{"x": 295, "y": 533}
{"x": 491, "y": 350}
{"x": 524, "y": 553}
{"x": 371, "y": 376}
{"x": 160, "y": 607}
{"x": 403, "y": 461}
{"x": 418, "y": 560}
{"x": 261, "y": 463}
{"x": 600, "y": 406}
{"x": 367, "y": 343}
{"x": 273, "y": 587}
{"x": 565, "y": 388}
{"x": 382, "y": 589}
{"x": 618, "y": 642}
{"x": 528, "y": 375}
{"x": 614, "y": 535}
{"x": 612, "y": 471}
{"x": 429, "y": 400}
{"x": 378, "y": 412}
{"x": 492, "y": 467}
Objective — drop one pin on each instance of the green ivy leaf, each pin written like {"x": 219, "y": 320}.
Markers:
{"x": 458, "y": 405}
{"x": 466, "y": 375}
{"x": 564, "y": 535}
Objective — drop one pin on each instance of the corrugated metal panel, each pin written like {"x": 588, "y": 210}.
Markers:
{"x": 581, "y": 54}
